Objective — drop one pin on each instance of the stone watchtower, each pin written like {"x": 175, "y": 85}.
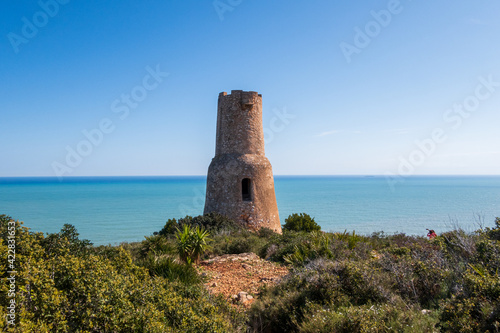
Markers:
{"x": 240, "y": 182}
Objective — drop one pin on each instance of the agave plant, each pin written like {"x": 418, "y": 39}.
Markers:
{"x": 199, "y": 238}
{"x": 191, "y": 243}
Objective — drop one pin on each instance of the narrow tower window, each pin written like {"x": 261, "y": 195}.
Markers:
{"x": 246, "y": 189}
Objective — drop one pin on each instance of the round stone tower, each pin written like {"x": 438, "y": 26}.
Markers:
{"x": 240, "y": 182}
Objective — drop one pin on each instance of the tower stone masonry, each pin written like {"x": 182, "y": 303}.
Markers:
{"x": 240, "y": 183}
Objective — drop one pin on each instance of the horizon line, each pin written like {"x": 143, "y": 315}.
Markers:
{"x": 278, "y": 175}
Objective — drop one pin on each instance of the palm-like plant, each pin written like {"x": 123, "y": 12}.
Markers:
{"x": 183, "y": 242}
{"x": 199, "y": 238}
{"x": 191, "y": 243}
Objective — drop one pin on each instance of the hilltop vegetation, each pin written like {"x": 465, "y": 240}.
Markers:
{"x": 338, "y": 282}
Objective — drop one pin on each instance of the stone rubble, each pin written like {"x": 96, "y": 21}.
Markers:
{"x": 239, "y": 276}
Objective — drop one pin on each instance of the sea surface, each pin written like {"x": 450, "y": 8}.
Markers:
{"x": 111, "y": 210}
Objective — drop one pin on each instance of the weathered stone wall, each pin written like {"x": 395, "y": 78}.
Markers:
{"x": 239, "y": 155}
{"x": 239, "y": 123}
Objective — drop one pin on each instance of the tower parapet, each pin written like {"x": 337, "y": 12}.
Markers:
{"x": 239, "y": 123}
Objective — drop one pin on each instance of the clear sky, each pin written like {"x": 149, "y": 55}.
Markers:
{"x": 121, "y": 87}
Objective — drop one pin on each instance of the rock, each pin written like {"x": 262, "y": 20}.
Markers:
{"x": 243, "y": 297}
{"x": 245, "y": 266}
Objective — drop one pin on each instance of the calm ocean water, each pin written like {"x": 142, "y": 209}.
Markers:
{"x": 117, "y": 209}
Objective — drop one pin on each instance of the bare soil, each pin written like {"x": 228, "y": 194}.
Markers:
{"x": 239, "y": 276}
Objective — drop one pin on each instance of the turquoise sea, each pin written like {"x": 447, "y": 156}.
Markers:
{"x": 117, "y": 209}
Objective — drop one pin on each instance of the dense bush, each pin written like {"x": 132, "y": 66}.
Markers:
{"x": 325, "y": 283}
{"x": 338, "y": 282}
{"x": 226, "y": 236}
{"x": 368, "y": 318}
{"x": 62, "y": 286}
{"x": 344, "y": 282}
{"x": 494, "y": 233}
{"x": 213, "y": 223}
{"x": 300, "y": 222}
{"x": 242, "y": 241}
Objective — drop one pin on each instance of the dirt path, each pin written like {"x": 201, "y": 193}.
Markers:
{"x": 239, "y": 276}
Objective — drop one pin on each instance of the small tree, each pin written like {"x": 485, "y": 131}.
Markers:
{"x": 301, "y": 222}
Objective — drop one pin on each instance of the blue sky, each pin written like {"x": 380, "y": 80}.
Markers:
{"x": 392, "y": 88}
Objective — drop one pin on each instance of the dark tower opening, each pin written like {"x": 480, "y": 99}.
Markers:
{"x": 246, "y": 189}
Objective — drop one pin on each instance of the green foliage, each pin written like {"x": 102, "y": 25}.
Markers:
{"x": 419, "y": 274}
{"x": 171, "y": 270}
{"x": 339, "y": 282}
{"x": 316, "y": 246}
{"x": 157, "y": 245}
{"x": 382, "y": 284}
{"x": 351, "y": 239}
{"x": 191, "y": 243}
{"x": 64, "y": 285}
{"x": 325, "y": 283}
{"x": 300, "y": 222}
{"x": 170, "y": 228}
{"x": 241, "y": 241}
{"x": 494, "y": 233}
{"x": 367, "y": 318}
{"x": 213, "y": 223}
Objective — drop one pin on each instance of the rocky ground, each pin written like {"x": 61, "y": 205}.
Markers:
{"x": 239, "y": 276}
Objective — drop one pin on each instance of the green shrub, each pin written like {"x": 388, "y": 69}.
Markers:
{"x": 61, "y": 291}
{"x": 242, "y": 241}
{"x": 476, "y": 308}
{"x": 191, "y": 243}
{"x": 157, "y": 245}
{"x": 339, "y": 282}
{"x": 317, "y": 246}
{"x": 171, "y": 270}
{"x": 170, "y": 228}
{"x": 461, "y": 314}
{"x": 213, "y": 223}
{"x": 494, "y": 233}
{"x": 300, "y": 222}
{"x": 351, "y": 239}
{"x": 283, "y": 308}
{"x": 367, "y": 318}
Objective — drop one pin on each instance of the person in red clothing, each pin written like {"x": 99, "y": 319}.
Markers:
{"x": 431, "y": 234}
